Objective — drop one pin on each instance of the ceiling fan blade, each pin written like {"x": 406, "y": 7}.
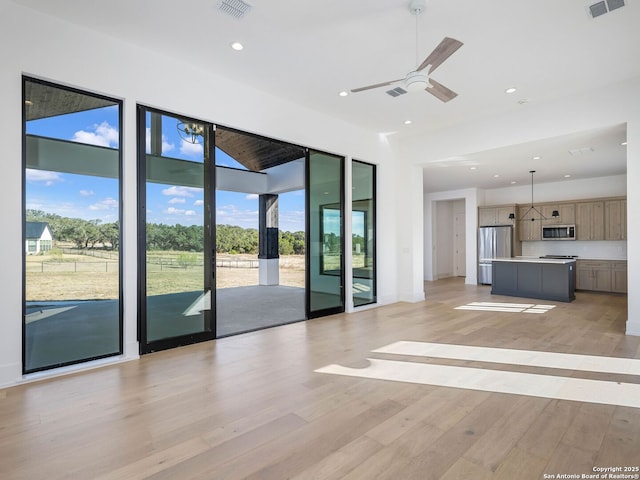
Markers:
{"x": 444, "y": 50}
{"x": 440, "y": 91}
{"x": 369, "y": 87}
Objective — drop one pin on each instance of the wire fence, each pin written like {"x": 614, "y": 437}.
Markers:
{"x": 154, "y": 262}
{"x": 90, "y": 252}
{"x": 71, "y": 267}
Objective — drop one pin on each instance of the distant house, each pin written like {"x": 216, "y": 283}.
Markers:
{"x": 38, "y": 238}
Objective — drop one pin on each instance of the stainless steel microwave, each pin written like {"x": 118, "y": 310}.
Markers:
{"x": 558, "y": 232}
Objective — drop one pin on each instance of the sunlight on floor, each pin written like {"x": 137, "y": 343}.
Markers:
{"x": 503, "y": 381}
{"x": 506, "y": 307}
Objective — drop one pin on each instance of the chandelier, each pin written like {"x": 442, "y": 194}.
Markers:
{"x": 532, "y": 208}
{"x": 190, "y": 131}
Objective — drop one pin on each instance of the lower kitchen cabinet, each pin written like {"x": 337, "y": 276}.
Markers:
{"x": 619, "y": 277}
{"x": 601, "y": 275}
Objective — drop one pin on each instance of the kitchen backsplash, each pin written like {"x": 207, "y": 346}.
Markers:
{"x": 597, "y": 250}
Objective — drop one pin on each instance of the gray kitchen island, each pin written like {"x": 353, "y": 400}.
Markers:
{"x": 543, "y": 278}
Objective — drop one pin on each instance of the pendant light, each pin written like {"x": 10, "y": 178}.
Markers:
{"x": 533, "y": 208}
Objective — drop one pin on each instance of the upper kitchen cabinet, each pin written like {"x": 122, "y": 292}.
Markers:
{"x": 566, "y": 214}
{"x": 590, "y": 220}
{"x": 615, "y": 219}
{"x": 529, "y": 228}
{"x": 493, "y": 216}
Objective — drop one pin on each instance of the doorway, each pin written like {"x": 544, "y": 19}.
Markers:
{"x": 226, "y": 237}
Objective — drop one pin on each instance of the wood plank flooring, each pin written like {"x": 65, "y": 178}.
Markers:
{"x": 252, "y": 407}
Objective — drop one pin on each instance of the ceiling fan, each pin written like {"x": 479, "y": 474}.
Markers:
{"x": 419, "y": 79}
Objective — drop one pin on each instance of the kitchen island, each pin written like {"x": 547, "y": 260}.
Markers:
{"x": 543, "y": 278}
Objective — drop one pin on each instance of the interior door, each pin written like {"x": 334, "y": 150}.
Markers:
{"x": 325, "y": 234}
{"x": 176, "y": 238}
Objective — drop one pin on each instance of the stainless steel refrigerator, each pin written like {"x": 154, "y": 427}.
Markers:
{"x": 493, "y": 242}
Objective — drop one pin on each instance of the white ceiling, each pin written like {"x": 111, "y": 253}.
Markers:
{"x": 308, "y": 52}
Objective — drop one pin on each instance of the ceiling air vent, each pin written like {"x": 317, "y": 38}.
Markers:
{"x": 396, "y": 92}
{"x": 603, "y": 7}
{"x": 235, "y": 8}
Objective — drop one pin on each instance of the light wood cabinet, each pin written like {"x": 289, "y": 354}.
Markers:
{"x": 602, "y": 275}
{"x": 619, "y": 276}
{"x": 492, "y": 216}
{"x": 566, "y": 211}
{"x": 529, "y": 224}
{"x": 615, "y": 220}
{"x": 590, "y": 221}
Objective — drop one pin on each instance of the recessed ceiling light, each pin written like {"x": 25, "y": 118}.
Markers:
{"x": 237, "y": 46}
{"x": 510, "y": 90}
{"x": 473, "y": 168}
{"x": 343, "y": 93}
{"x": 567, "y": 175}
{"x": 513, "y": 182}
{"x": 496, "y": 176}
{"x": 624, "y": 144}
{"x": 407, "y": 122}
{"x": 536, "y": 157}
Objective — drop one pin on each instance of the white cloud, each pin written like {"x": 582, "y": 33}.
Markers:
{"x": 166, "y": 146}
{"x": 49, "y": 178}
{"x": 103, "y": 135}
{"x": 106, "y": 204}
{"x": 252, "y": 196}
{"x": 174, "y": 211}
{"x": 87, "y": 193}
{"x": 191, "y": 149}
{"x": 177, "y": 200}
{"x": 234, "y": 216}
{"x": 198, "y": 203}
{"x": 179, "y": 211}
{"x": 178, "y": 191}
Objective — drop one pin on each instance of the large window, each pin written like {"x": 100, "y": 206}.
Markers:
{"x": 363, "y": 228}
{"x": 72, "y": 280}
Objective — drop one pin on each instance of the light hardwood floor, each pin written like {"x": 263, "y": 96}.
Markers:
{"x": 252, "y": 407}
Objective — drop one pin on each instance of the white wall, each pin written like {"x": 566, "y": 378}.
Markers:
{"x": 633, "y": 218}
{"x": 558, "y": 191}
{"x": 75, "y": 56}
{"x": 616, "y": 104}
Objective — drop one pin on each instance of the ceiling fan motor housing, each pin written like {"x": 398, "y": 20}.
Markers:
{"x": 416, "y": 81}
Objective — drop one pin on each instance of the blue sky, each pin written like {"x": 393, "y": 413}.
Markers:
{"x": 90, "y": 197}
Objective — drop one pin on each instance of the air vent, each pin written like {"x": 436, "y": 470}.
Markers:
{"x": 581, "y": 151}
{"x": 603, "y": 7}
{"x": 396, "y": 92}
{"x": 235, "y": 8}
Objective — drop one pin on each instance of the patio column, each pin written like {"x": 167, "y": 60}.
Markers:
{"x": 268, "y": 256}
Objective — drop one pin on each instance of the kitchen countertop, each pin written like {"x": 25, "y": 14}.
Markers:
{"x": 556, "y": 261}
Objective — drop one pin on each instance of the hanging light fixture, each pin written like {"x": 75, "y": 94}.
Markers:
{"x": 533, "y": 208}
{"x": 190, "y": 131}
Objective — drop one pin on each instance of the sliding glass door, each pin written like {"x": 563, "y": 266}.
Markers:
{"x": 72, "y": 309}
{"x": 176, "y": 238}
{"x": 325, "y": 234}
{"x": 363, "y": 226}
